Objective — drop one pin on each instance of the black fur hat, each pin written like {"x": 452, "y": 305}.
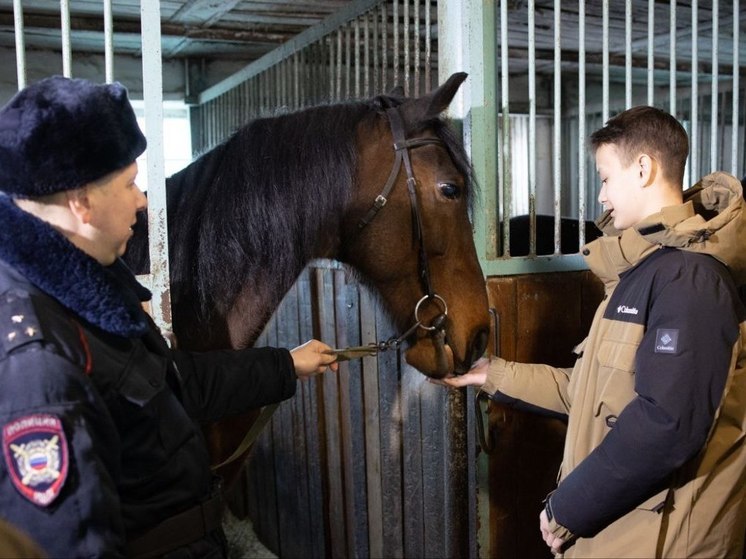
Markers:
{"x": 62, "y": 133}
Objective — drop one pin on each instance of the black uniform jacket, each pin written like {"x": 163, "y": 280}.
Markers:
{"x": 99, "y": 417}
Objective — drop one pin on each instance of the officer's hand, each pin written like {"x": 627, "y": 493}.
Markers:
{"x": 310, "y": 359}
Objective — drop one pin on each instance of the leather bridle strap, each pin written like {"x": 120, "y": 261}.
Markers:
{"x": 401, "y": 149}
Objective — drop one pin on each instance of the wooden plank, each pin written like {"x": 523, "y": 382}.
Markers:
{"x": 372, "y": 425}
{"x": 351, "y": 413}
{"x": 309, "y": 427}
{"x": 330, "y": 405}
{"x": 288, "y": 461}
{"x": 435, "y": 472}
{"x": 391, "y": 452}
{"x": 411, "y": 381}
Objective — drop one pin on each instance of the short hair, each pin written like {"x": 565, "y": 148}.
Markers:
{"x": 645, "y": 129}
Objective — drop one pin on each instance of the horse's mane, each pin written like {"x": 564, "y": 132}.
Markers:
{"x": 264, "y": 199}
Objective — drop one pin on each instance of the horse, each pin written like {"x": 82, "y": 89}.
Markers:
{"x": 382, "y": 185}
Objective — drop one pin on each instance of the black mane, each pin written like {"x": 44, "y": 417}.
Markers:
{"x": 264, "y": 200}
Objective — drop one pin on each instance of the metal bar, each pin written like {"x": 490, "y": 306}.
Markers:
{"x": 407, "y": 29}
{"x": 651, "y": 50}
{"x": 395, "y": 52}
{"x": 150, "y": 15}
{"x": 735, "y": 92}
{"x": 507, "y": 179}
{"x": 627, "y": 54}
{"x": 65, "y": 30}
{"x": 20, "y": 43}
{"x": 557, "y": 127}
{"x": 672, "y": 56}
{"x": 428, "y": 46}
{"x": 582, "y": 179}
{"x": 384, "y": 48}
{"x": 605, "y": 62}
{"x": 714, "y": 88}
{"x": 693, "y": 117}
{"x": 531, "y": 127}
{"x": 109, "y": 43}
{"x": 416, "y": 9}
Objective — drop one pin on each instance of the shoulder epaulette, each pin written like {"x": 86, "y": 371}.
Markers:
{"x": 19, "y": 324}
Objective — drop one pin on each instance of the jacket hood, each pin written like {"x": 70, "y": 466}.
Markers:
{"x": 712, "y": 220}
{"x": 106, "y": 296}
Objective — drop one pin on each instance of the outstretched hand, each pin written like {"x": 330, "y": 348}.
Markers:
{"x": 475, "y": 376}
{"x": 311, "y": 359}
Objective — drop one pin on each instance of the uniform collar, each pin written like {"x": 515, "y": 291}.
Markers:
{"x": 107, "y": 297}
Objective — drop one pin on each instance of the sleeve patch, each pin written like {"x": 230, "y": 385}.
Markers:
{"x": 36, "y": 454}
{"x": 666, "y": 340}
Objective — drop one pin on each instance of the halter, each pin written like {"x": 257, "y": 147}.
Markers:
{"x": 436, "y": 328}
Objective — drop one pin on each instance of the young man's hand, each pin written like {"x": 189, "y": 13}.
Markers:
{"x": 476, "y": 376}
{"x": 311, "y": 359}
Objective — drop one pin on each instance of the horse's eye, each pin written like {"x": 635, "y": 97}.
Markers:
{"x": 449, "y": 190}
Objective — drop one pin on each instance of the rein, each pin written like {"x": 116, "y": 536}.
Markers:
{"x": 436, "y": 328}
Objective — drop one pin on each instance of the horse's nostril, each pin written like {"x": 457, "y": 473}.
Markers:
{"x": 478, "y": 345}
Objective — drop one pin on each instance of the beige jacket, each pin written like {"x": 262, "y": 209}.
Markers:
{"x": 654, "y": 462}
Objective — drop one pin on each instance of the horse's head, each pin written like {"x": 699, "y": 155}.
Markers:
{"x": 418, "y": 246}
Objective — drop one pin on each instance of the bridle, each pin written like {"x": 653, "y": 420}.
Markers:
{"x": 436, "y": 327}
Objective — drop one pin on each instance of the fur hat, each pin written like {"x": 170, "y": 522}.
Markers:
{"x": 62, "y": 133}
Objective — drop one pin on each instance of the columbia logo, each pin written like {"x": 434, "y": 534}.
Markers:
{"x": 666, "y": 340}
{"x": 624, "y": 309}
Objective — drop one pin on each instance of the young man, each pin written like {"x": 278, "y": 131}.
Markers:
{"x": 102, "y": 450}
{"x": 654, "y": 462}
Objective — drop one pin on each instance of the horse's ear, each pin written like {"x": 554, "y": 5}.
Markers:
{"x": 438, "y": 100}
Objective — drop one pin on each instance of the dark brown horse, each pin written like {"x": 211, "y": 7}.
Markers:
{"x": 245, "y": 218}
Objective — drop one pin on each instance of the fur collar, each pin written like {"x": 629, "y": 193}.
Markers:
{"x": 107, "y": 297}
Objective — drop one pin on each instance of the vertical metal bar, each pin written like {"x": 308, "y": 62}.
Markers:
{"x": 65, "y": 29}
{"x": 651, "y": 50}
{"x": 150, "y": 16}
{"x": 694, "y": 117}
{"x": 416, "y": 34}
{"x": 627, "y": 54}
{"x": 384, "y": 48}
{"x": 582, "y": 179}
{"x": 377, "y": 81}
{"x": 406, "y": 39}
{"x": 672, "y": 56}
{"x": 109, "y": 43}
{"x": 505, "y": 135}
{"x": 605, "y": 62}
{"x": 395, "y": 61}
{"x": 20, "y": 44}
{"x": 557, "y": 128}
{"x": 532, "y": 127}
{"x": 714, "y": 89}
{"x": 366, "y": 56}
{"x": 736, "y": 91}
{"x": 356, "y": 29}
{"x": 348, "y": 61}
{"x": 338, "y": 68}
{"x": 428, "y": 46}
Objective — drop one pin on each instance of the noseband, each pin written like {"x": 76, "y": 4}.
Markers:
{"x": 436, "y": 328}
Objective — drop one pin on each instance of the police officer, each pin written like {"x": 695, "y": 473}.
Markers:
{"x": 102, "y": 450}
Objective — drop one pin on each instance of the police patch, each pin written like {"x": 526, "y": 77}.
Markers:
{"x": 35, "y": 450}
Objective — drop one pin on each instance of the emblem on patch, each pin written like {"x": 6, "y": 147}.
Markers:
{"x": 36, "y": 453}
{"x": 666, "y": 340}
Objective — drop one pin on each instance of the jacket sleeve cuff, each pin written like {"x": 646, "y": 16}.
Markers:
{"x": 495, "y": 376}
{"x": 557, "y": 529}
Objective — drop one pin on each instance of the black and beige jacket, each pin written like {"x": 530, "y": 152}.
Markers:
{"x": 654, "y": 462}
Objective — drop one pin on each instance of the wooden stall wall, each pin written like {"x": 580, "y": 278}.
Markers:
{"x": 542, "y": 317}
{"x": 370, "y": 462}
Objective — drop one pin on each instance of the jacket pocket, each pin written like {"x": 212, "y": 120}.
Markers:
{"x": 616, "y": 378}
{"x": 143, "y": 377}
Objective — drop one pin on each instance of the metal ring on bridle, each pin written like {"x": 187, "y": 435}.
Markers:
{"x": 434, "y": 297}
